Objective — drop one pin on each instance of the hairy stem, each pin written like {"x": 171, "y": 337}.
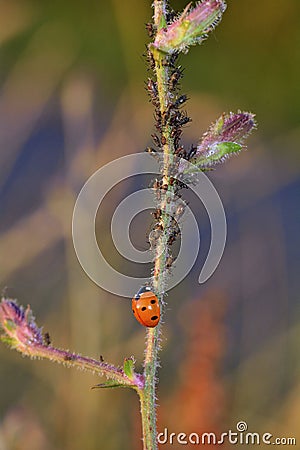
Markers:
{"x": 82, "y": 362}
{"x": 147, "y": 395}
{"x": 19, "y": 330}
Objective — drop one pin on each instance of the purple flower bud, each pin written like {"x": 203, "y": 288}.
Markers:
{"x": 232, "y": 127}
{"x": 191, "y": 27}
{"x": 19, "y": 326}
{"x": 224, "y": 138}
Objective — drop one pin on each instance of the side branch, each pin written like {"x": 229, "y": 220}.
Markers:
{"x": 20, "y": 332}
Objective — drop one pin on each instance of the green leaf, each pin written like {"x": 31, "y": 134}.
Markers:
{"x": 11, "y": 342}
{"x": 109, "y": 384}
{"x": 218, "y": 152}
{"x": 129, "y": 368}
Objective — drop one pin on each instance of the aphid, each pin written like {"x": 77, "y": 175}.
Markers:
{"x": 165, "y": 62}
{"x": 182, "y": 119}
{"x": 165, "y": 116}
{"x": 158, "y": 195}
{"x": 180, "y": 101}
{"x": 174, "y": 78}
{"x": 171, "y": 15}
{"x": 175, "y": 182}
{"x": 180, "y": 152}
{"x": 169, "y": 262}
{"x": 179, "y": 211}
{"x": 47, "y": 338}
{"x": 173, "y": 223}
{"x": 173, "y": 59}
{"x": 157, "y": 188}
{"x": 153, "y": 238}
{"x": 159, "y": 226}
{"x": 192, "y": 152}
{"x": 145, "y": 307}
{"x": 156, "y": 140}
{"x": 157, "y": 214}
{"x": 176, "y": 134}
{"x": 151, "y": 151}
{"x": 151, "y": 60}
{"x": 182, "y": 185}
{"x": 157, "y": 115}
{"x": 171, "y": 240}
{"x": 69, "y": 358}
{"x": 156, "y": 184}
{"x": 150, "y": 29}
{"x": 157, "y": 118}
{"x": 152, "y": 89}
{"x": 173, "y": 236}
{"x": 174, "y": 118}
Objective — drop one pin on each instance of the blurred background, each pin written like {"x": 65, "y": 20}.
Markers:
{"x": 72, "y": 98}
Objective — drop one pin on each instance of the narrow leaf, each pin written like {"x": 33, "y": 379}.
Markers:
{"x": 109, "y": 384}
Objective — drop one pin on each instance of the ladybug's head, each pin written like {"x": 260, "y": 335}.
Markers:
{"x": 142, "y": 290}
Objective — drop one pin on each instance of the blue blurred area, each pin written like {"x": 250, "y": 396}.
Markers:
{"x": 41, "y": 159}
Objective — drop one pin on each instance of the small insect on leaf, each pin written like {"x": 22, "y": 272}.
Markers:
{"x": 129, "y": 367}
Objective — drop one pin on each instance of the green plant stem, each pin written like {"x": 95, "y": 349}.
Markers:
{"x": 148, "y": 394}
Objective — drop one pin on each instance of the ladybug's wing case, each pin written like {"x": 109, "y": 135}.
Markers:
{"x": 146, "y": 308}
{"x": 137, "y": 310}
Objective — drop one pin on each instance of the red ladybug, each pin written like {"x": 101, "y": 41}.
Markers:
{"x": 145, "y": 307}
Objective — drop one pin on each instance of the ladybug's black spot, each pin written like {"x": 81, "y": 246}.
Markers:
{"x": 153, "y": 301}
{"x": 154, "y": 317}
{"x": 144, "y": 308}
